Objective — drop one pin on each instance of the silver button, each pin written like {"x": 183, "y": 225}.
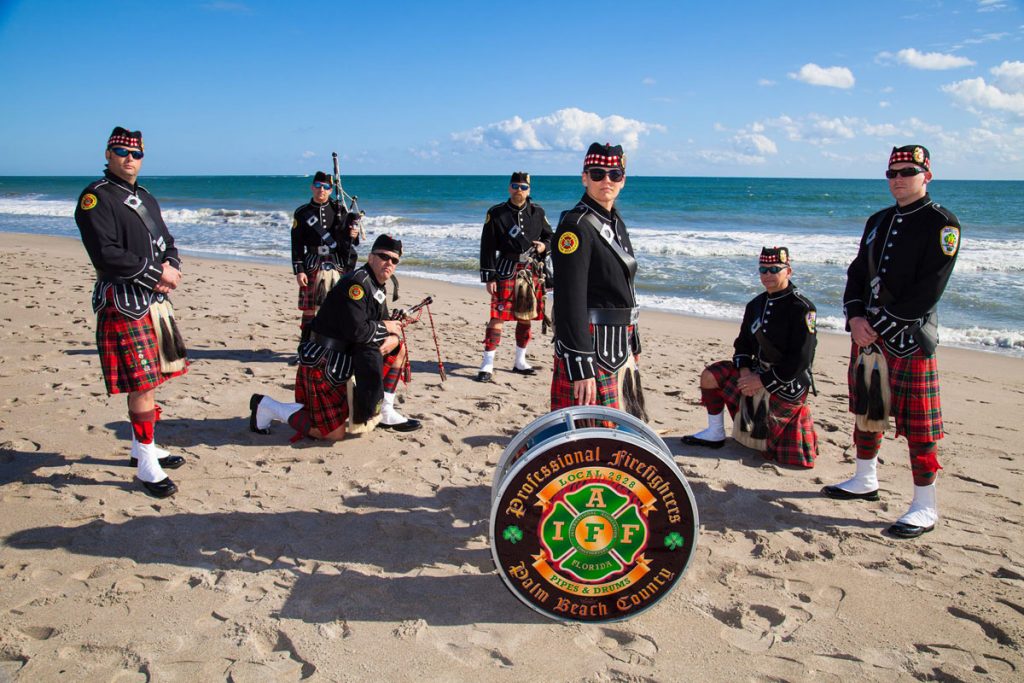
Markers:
{"x": 899, "y": 220}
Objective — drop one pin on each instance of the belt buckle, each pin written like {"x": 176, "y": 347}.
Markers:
{"x": 323, "y": 250}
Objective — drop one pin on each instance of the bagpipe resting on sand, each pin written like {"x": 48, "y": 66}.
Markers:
{"x": 408, "y": 316}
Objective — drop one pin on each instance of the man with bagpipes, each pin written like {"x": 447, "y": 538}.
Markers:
{"x": 597, "y": 337}
{"x": 893, "y": 287}
{"x": 766, "y": 384}
{"x": 514, "y": 243}
{"x": 324, "y": 239}
{"x": 352, "y": 337}
{"x": 137, "y": 266}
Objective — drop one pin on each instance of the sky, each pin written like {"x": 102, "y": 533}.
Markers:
{"x": 764, "y": 89}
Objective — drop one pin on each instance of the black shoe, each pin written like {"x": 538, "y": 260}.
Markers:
{"x": 483, "y": 376}
{"x": 160, "y": 489}
{"x": 692, "y": 440}
{"x": 527, "y": 371}
{"x": 410, "y": 425}
{"x": 293, "y": 361}
{"x": 254, "y": 402}
{"x": 170, "y": 462}
{"x": 902, "y": 530}
{"x": 836, "y": 493}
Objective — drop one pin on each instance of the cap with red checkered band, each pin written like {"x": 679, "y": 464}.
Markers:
{"x": 911, "y": 154}
{"x": 122, "y": 137}
{"x": 606, "y": 156}
{"x": 771, "y": 256}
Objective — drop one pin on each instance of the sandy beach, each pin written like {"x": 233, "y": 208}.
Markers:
{"x": 369, "y": 559}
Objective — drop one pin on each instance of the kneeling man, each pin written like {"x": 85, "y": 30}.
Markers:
{"x": 351, "y": 336}
{"x": 772, "y": 365}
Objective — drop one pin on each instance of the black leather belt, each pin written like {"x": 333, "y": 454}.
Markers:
{"x": 328, "y": 342}
{"x": 613, "y": 316}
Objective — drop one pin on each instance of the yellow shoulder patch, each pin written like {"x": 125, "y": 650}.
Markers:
{"x": 89, "y": 201}
{"x": 487, "y": 219}
{"x": 949, "y": 240}
{"x": 812, "y": 321}
{"x": 355, "y": 292}
{"x": 568, "y": 243}
{"x": 295, "y": 223}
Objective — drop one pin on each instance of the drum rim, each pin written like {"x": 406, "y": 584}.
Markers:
{"x": 577, "y": 434}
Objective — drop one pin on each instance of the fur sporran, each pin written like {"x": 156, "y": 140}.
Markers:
{"x": 353, "y": 426}
{"x": 750, "y": 424}
{"x": 524, "y": 296}
{"x": 168, "y": 339}
{"x": 874, "y": 397}
{"x": 631, "y": 391}
{"x": 326, "y": 278}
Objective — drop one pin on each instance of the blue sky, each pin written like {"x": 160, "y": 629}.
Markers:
{"x": 792, "y": 89}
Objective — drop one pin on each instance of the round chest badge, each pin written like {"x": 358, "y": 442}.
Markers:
{"x": 568, "y": 243}
{"x": 593, "y": 529}
{"x": 89, "y": 201}
{"x": 355, "y": 292}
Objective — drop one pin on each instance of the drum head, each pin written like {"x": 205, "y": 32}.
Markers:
{"x": 594, "y": 525}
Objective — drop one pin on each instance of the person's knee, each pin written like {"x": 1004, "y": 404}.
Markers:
{"x": 707, "y": 380}
{"x": 496, "y": 324}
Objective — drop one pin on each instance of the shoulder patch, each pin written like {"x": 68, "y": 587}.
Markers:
{"x": 355, "y": 292}
{"x": 949, "y": 239}
{"x": 812, "y": 321}
{"x": 295, "y": 223}
{"x": 487, "y": 218}
{"x": 89, "y": 201}
{"x": 568, "y": 243}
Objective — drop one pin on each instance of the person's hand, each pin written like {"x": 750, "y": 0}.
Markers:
{"x": 394, "y": 326}
{"x": 492, "y": 287}
{"x": 862, "y": 333}
{"x": 302, "y": 279}
{"x": 540, "y": 247}
{"x": 749, "y": 383}
{"x": 584, "y": 392}
{"x": 353, "y": 229}
{"x": 170, "y": 278}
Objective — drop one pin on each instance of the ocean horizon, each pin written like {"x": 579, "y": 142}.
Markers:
{"x": 696, "y": 238}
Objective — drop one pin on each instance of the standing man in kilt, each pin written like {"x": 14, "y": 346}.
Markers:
{"x": 596, "y": 335}
{"x": 324, "y": 239}
{"x": 893, "y": 287}
{"x": 137, "y": 266}
{"x": 774, "y": 353}
{"x": 351, "y": 335}
{"x": 516, "y": 237}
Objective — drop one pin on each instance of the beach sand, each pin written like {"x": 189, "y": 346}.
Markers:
{"x": 369, "y": 559}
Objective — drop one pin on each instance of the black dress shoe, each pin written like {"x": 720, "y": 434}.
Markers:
{"x": 483, "y": 376}
{"x": 170, "y": 462}
{"x": 527, "y": 371}
{"x": 254, "y": 402}
{"x": 692, "y": 440}
{"x": 902, "y": 530}
{"x": 836, "y": 493}
{"x": 410, "y": 425}
{"x": 160, "y": 489}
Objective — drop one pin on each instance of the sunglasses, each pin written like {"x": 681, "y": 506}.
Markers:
{"x": 322, "y": 186}
{"x": 519, "y": 186}
{"x": 384, "y": 257}
{"x": 614, "y": 175}
{"x": 774, "y": 270}
{"x": 909, "y": 172}
{"x": 122, "y": 152}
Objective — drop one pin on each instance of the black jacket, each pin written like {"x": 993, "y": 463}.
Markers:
{"x": 322, "y": 225}
{"x": 509, "y": 231}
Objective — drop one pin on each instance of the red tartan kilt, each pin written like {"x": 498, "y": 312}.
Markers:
{"x": 327, "y": 404}
{"x": 792, "y": 440}
{"x": 307, "y": 293}
{"x": 128, "y": 352}
{"x": 503, "y": 299}
{"x": 914, "y": 382}
{"x": 561, "y": 387}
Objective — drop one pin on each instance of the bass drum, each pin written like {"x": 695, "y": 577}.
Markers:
{"x": 591, "y": 519}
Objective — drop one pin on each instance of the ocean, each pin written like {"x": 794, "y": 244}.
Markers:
{"x": 696, "y": 239}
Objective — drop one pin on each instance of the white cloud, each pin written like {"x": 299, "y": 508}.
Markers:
{"x": 308, "y": 155}
{"x": 882, "y": 130}
{"x": 766, "y": 82}
{"x": 755, "y": 144}
{"x": 568, "y": 129}
{"x": 991, "y": 5}
{"x": 976, "y": 93}
{"x": 832, "y": 76}
{"x": 1009, "y": 76}
{"x": 985, "y": 38}
{"x": 648, "y": 81}
{"x": 883, "y": 104}
{"x": 931, "y": 61}
{"x": 723, "y": 158}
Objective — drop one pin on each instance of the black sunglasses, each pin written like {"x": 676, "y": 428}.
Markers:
{"x": 122, "y": 152}
{"x": 322, "y": 186}
{"x": 908, "y": 172}
{"x": 385, "y": 257}
{"x": 614, "y": 175}
{"x": 774, "y": 270}
{"x": 519, "y": 186}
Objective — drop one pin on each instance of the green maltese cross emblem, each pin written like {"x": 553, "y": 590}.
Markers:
{"x": 512, "y": 534}
{"x": 593, "y": 533}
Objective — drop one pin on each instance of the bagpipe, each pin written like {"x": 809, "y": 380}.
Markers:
{"x": 525, "y": 295}
{"x": 338, "y": 195}
{"x": 408, "y": 316}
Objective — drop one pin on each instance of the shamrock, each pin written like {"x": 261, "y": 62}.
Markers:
{"x": 674, "y": 541}
{"x": 512, "y": 534}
